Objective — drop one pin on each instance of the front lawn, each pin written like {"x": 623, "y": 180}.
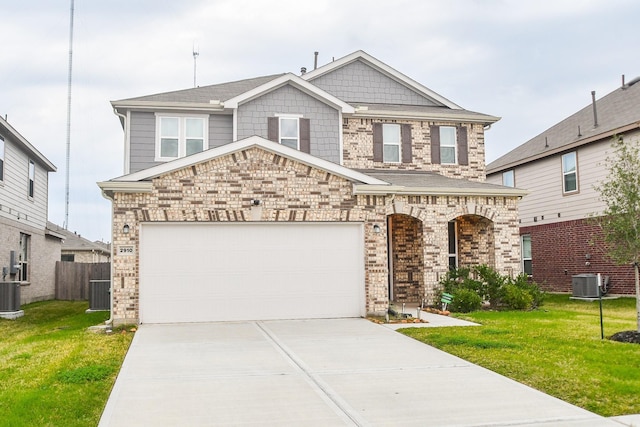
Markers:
{"x": 53, "y": 372}
{"x": 556, "y": 349}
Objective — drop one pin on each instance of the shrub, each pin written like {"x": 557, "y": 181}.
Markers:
{"x": 465, "y": 300}
{"x": 492, "y": 283}
{"x": 516, "y": 298}
{"x": 522, "y": 281}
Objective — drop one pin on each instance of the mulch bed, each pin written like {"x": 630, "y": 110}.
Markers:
{"x": 626, "y": 336}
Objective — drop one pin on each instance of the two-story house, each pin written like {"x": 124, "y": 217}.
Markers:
{"x": 327, "y": 194}
{"x": 28, "y": 249}
{"x": 560, "y": 167}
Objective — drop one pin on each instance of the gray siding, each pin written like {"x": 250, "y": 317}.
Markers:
{"x": 142, "y": 132}
{"x": 14, "y": 198}
{"x": 324, "y": 119}
{"x": 220, "y": 130}
{"x": 358, "y": 82}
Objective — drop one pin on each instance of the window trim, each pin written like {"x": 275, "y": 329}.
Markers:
{"x": 575, "y": 172}
{"x": 2, "y": 158}
{"x": 182, "y": 137}
{"x": 25, "y": 249}
{"x": 280, "y": 137}
{"x": 512, "y": 172}
{"x": 31, "y": 181}
{"x": 455, "y": 144}
{"x": 452, "y": 255}
{"x": 398, "y": 144}
{"x": 523, "y": 258}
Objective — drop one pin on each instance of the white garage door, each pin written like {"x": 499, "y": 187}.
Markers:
{"x": 192, "y": 272}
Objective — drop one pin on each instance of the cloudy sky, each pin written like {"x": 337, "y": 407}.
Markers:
{"x": 531, "y": 62}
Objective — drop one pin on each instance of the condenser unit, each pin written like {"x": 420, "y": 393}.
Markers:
{"x": 9, "y": 296}
{"x": 585, "y": 285}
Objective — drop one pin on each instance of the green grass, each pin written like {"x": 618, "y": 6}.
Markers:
{"x": 556, "y": 349}
{"x": 53, "y": 372}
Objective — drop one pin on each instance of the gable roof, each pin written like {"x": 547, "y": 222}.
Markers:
{"x": 617, "y": 112}
{"x": 384, "y": 69}
{"x": 75, "y": 242}
{"x": 7, "y": 131}
{"x": 141, "y": 181}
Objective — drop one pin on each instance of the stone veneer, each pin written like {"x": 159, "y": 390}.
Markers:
{"x": 358, "y": 149}
{"x": 221, "y": 189}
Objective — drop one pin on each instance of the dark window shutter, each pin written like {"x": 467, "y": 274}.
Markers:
{"x": 405, "y": 134}
{"x": 305, "y": 136}
{"x": 273, "y": 125}
{"x": 377, "y": 142}
{"x": 463, "y": 149}
{"x": 435, "y": 144}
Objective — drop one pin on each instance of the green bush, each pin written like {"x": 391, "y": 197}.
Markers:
{"x": 516, "y": 298}
{"x": 522, "y": 281}
{"x": 465, "y": 300}
{"x": 492, "y": 283}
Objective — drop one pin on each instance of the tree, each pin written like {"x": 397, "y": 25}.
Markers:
{"x": 620, "y": 220}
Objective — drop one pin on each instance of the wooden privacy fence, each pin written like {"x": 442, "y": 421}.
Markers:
{"x": 72, "y": 278}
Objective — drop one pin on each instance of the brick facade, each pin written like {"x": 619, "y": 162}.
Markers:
{"x": 222, "y": 188}
{"x": 358, "y": 150}
{"x": 563, "y": 249}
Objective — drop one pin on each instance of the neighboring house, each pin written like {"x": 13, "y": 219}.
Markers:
{"x": 28, "y": 249}
{"x": 559, "y": 168}
{"x": 328, "y": 194}
{"x": 76, "y": 248}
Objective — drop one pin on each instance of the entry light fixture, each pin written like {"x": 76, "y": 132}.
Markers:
{"x": 125, "y": 229}
{"x": 376, "y": 229}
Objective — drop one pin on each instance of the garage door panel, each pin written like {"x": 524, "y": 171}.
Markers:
{"x": 210, "y": 272}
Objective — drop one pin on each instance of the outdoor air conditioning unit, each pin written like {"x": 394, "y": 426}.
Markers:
{"x": 9, "y": 296}
{"x": 585, "y": 285}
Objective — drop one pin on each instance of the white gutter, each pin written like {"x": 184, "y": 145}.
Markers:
{"x": 159, "y": 105}
{"x": 125, "y": 127}
{"x": 467, "y": 118}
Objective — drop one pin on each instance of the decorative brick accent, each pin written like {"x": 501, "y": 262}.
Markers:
{"x": 563, "y": 249}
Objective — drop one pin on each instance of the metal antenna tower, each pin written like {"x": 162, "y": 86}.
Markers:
{"x": 66, "y": 186}
{"x": 195, "y": 57}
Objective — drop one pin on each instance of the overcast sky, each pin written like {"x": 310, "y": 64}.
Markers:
{"x": 530, "y": 62}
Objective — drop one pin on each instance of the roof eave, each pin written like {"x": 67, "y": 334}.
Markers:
{"x": 413, "y": 115}
{"x": 362, "y": 189}
{"x": 212, "y": 106}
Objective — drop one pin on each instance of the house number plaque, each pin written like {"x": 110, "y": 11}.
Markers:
{"x": 125, "y": 250}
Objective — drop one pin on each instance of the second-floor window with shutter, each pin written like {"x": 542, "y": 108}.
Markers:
{"x": 449, "y": 145}
{"x": 392, "y": 143}
{"x": 291, "y": 130}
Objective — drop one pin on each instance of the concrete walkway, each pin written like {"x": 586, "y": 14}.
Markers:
{"x": 315, "y": 373}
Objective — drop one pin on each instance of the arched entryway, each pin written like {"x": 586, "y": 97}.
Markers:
{"x": 474, "y": 240}
{"x": 406, "y": 259}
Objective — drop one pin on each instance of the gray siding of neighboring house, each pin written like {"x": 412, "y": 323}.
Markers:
{"x": 324, "y": 119}
{"x": 143, "y": 137}
{"x": 14, "y": 198}
{"x": 358, "y": 82}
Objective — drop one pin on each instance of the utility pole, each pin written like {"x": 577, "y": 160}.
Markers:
{"x": 66, "y": 201}
{"x": 195, "y": 57}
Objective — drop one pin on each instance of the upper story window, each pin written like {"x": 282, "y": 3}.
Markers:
{"x": 449, "y": 145}
{"x": 1, "y": 159}
{"x": 391, "y": 143}
{"x": 508, "y": 178}
{"x": 291, "y": 130}
{"x": 32, "y": 178}
{"x": 569, "y": 173}
{"x": 179, "y": 136}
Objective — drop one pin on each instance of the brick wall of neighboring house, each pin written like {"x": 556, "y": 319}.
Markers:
{"x": 43, "y": 253}
{"x": 563, "y": 249}
{"x": 87, "y": 256}
{"x": 222, "y": 189}
{"x": 358, "y": 149}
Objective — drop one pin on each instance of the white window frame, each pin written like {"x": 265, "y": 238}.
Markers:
{"x": 452, "y": 255}
{"x": 181, "y": 136}
{"x": 566, "y": 173}
{"x": 388, "y": 143}
{"x": 31, "y": 182}
{"x": 2, "y": 148}
{"x": 524, "y": 258}
{"x": 23, "y": 256}
{"x": 509, "y": 178}
{"x": 454, "y": 145}
{"x": 281, "y": 118}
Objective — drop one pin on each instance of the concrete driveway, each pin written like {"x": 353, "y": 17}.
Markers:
{"x": 315, "y": 373}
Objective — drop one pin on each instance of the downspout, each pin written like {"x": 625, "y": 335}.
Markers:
{"x": 125, "y": 127}
{"x": 109, "y": 321}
